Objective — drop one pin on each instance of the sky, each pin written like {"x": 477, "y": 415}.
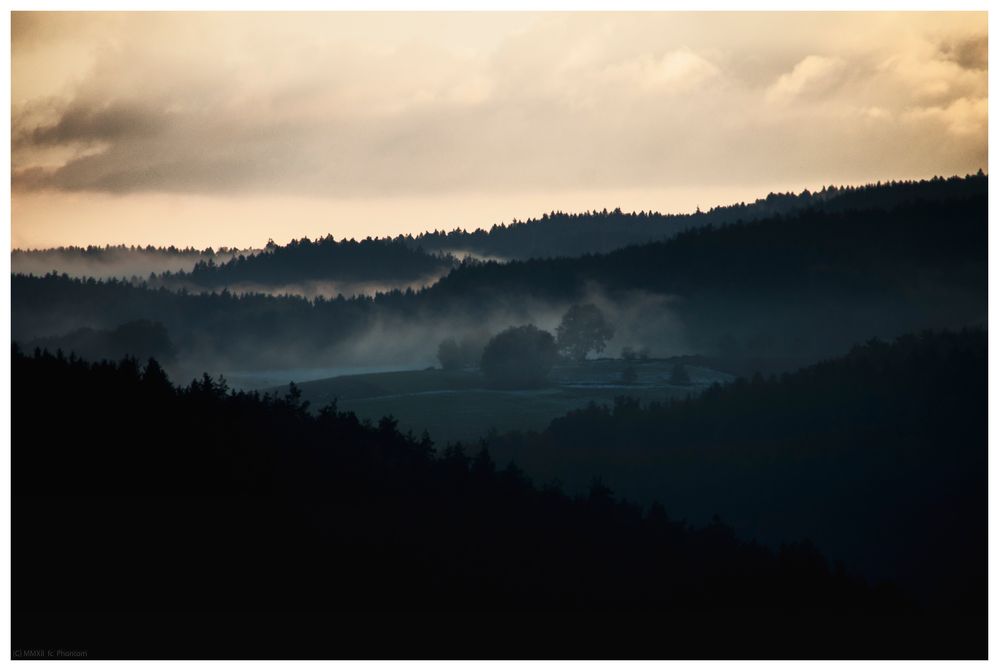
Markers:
{"x": 229, "y": 129}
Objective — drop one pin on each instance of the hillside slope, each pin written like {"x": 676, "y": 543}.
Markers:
{"x": 880, "y": 457}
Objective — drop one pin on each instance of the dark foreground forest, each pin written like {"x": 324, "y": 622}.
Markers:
{"x": 153, "y": 520}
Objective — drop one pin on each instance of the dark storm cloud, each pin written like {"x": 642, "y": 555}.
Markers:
{"x": 971, "y": 54}
{"x": 87, "y": 123}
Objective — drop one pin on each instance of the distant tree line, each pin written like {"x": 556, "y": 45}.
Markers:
{"x": 121, "y": 261}
{"x": 553, "y": 234}
{"x": 100, "y": 252}
{"x": 559, "y": 233}
{"x": 326, "y": 259}
{"x": 141, "y": 339}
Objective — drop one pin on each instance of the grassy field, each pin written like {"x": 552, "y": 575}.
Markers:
{"x": 457, "y": 405}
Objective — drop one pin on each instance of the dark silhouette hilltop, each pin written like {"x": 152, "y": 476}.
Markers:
{"x": 141, "y": 338}
{"x": 406, "y": 258}
{"x": 594, "y": 232}
{"x": 323, "y": 259}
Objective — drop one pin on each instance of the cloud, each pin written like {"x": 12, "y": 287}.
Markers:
{"x": 312, "y": 106}
{"x": 812, "y": 76}
{"x": 675, "y": 72}
{"x": 964, "y": 117}
{"x": 970, "y": 54}
{"x": 86, "y": 124}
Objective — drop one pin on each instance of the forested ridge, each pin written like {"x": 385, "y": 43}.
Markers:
{"x": 322, "y": 259}
{"x": 855, "y": 252}
{"x": 413, "y": 257}
{"x": 198, "y": 499}
{"x": 572, "y": 234}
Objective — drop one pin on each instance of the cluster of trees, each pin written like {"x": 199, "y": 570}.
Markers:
{"x": 583, "y": 329}
{"x": 466, "y": 352}
{"x": 184, "y": 502}
{"x": 520, "y": 356}
{"x": 523, "y": 356}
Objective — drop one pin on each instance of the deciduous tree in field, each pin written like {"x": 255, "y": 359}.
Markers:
{"x": 583, "y": 329}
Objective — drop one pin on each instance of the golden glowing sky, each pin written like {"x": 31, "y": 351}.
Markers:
{"x": 229, "y": 128}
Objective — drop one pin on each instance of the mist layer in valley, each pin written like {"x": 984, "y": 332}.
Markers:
{"x": 114, "y": 261}
{"x": 769, "y": 295}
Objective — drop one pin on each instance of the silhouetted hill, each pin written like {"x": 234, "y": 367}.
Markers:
{"x": 567, "y": 234}
{"x": 880, "y": 457}
{"x": 851, "y": 254}
{"x": 408, "y": 259}
{"x": 141, "y": 339}
{"x": 325, "y": 259}
{"x": 195, "y": 505}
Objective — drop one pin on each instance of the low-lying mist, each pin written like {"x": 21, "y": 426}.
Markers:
{"x": 113, "y": 262}
{"x": 309, "y": 289}
{"x": 391, "y": 341}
